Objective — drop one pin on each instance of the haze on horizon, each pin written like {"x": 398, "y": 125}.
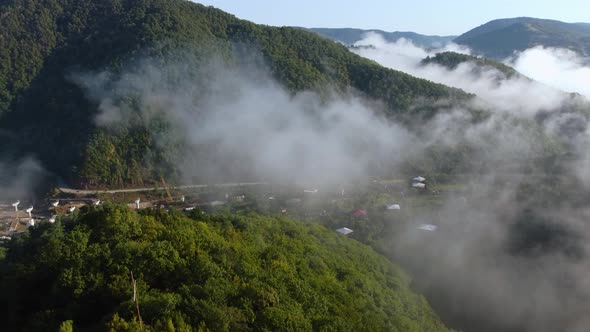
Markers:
{"x": 425, "y": 17}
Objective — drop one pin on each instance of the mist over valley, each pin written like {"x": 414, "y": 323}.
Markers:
{"x": 166, "y": 165}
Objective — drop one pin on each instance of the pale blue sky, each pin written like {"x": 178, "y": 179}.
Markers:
{"x": 441, "y": 17}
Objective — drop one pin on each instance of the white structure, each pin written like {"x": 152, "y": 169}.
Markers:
{"x": 182, "y": 199}
{"x": 32, "y": 222}
{"x": 393, "y": 207}
{"x": 419, "y": 179}
{"x": 15, "y": 204}
{"x": 271, "y": 197}
{"x": 190, "y": 208}
{"x": 239, "y": 198}
{"x": 216, "y": 203}
{"x": 137, "y": 203}
{"x": 29, "y": 210}
{"x": 53, "y": 218}
{"x": 71, "y": 209}
{"x": 418, "y": 185}
{"x": 55, "y": 204}
{"x": 310, "y": 191}
{"x": 428, "y": 227}
{"x": 344, "y": 230}
{"x": 96, "y": 202}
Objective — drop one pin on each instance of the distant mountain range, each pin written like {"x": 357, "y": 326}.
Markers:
{"x": 93, "y": 36}
{"x": 350, "y": 36}
{"x": 499, "y": 39}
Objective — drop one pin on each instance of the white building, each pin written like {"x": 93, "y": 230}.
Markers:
{"x": 428, "y": 227}
{"x": 344, "y": 230}
{"x": 393, "y": 207}
{"x": 418, "y": 185}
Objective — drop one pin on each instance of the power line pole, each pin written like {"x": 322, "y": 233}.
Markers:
{"x": 136, "y": 300}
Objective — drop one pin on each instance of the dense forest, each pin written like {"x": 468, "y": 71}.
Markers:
{"x": 198, "y": 272}
{"x": 504, "y": 202}
{"x": 451, "y": 60}
{"x": 44, "y": 113}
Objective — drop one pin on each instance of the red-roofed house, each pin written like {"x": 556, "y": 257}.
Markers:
{"x": 359, "y": 213}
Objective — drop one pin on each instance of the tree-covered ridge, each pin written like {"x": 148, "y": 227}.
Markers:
{"x": 45, "y": 114}
{"x": 349, "y": 36}
{"x": 451, "y": 60}
{"x": 219, "y": 273}
{"x": 499, "y": 39}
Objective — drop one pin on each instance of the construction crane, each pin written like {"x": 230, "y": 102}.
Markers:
{"x": 167, "y": 190}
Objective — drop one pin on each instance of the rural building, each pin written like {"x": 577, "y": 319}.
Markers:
{"x": 344, "y": 230}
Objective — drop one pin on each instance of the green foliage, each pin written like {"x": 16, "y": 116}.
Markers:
{"x": 218, "y": 273}
{"x": 451, "y": 60}
{"x": 66, "y": 326}
{"x": 44, "y": 113}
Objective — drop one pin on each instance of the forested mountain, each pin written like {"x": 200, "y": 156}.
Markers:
{"x": 45, "y": 114}
{"x": 451, "y": 60}
{"x": 349, "y": 36}
{"x": 499, "y": 39}
{"x": 222, "y": 273}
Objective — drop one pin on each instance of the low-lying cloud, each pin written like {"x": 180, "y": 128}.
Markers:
{"x": 235, "y": 122}
{"x": 560, "y": 68}
{"x": 511, "y": 250}
{"x": 517, "y": 93}
{"x": 20, "y": 179}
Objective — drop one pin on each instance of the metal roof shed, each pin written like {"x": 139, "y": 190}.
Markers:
{"x": 344, "y": 230}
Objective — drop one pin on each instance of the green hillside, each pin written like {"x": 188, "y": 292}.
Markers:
{"x": 233, "y": 273}
{"x": 45, "y": 115}
{"x": 451, "y": 60}
{"x": 349, "y": 36}
{"x": 498, "y": 39}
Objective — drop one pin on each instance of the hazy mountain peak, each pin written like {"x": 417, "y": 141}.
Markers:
{"x": 350, "y": 36}
{"x": 500, "y": 38}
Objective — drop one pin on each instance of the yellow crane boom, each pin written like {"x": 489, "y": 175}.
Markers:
{"x": 167, "y": 191}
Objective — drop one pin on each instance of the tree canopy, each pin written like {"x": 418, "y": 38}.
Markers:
{"x": 45, "y": 114}
{"x": 201, "y": 272}
{"x": 451, "y": 60}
